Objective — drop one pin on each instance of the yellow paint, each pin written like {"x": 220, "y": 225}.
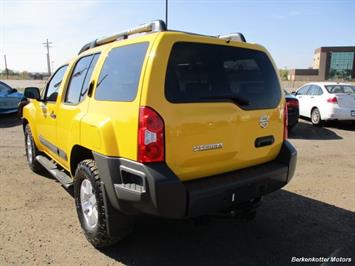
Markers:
{"x": 110, "y": 128}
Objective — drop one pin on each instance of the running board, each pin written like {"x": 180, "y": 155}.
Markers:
{"x": 52, "y": 168}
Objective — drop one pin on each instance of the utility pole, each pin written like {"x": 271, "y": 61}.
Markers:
{"x": 6, "y": 69}
{"x": 166, "y": 13}
{"x": 47, "y": 44}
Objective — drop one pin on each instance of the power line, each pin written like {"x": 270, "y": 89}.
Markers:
{"x": 47, "y": 44}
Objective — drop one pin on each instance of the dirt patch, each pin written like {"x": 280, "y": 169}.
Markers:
{"x": 312, "y": 217}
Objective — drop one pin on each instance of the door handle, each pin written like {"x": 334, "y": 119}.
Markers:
{"x": 52, "y": 115}
{"x": 312, "y": 97}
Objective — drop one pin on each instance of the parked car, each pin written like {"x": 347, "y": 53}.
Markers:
{"x": 198, "y": 128}
{"x": 321, "y": 101}
{"x": 292, "y": 108}
{"x": 9, "y": 99}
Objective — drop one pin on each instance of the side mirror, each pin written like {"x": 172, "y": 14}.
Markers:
{"x": 32, "y": 93}
{"x": 13, "y": 91}
{"x": 294, "y": 93}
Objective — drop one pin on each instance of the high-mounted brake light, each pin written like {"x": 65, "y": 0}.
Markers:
{"x": 150, "y": 136}
{"x": 285, "y": 122}
{"x": 332, "y": 100}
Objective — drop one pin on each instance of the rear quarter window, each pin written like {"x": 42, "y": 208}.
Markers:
{"x": 212, "y": 73}
{"x": 119, "y": 77}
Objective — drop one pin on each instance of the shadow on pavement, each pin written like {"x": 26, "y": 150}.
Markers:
{"x": 9, "y": 120}
{"x": 304, "y": 130}
{"x": 344, "y": 125}
{"x": 287, "y": 225}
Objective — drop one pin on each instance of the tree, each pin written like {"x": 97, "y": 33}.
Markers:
{"x": 283, "y": 74}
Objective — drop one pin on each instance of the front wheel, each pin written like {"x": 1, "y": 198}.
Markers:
{"x": 315, "y": 117}
{"x": 92, "y": 209}
{"x": 31, "y": 151}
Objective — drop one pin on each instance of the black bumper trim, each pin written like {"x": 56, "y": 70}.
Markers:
{"x": 163, "y": 194}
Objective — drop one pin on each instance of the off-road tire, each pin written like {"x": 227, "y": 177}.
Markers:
{"x": 31, "y": 154}
{"x": 99, "y": 236}
{"x": 316, "y": 118}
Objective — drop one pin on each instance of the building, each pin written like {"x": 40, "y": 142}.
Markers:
{"x": 329, "y": 63}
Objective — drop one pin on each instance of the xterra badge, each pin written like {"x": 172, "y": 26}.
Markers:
{"x": 207, "y": 147}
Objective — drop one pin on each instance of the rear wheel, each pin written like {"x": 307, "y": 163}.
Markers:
{"x": 32, "y": 151}
{"x": 315, "y": 117}
{"x": 92, "y": 209}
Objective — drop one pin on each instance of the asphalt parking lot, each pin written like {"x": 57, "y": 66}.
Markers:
{"x": 311, "y": 217}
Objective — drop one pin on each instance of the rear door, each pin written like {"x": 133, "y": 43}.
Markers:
{"x": 73, "y": 106}
{"x": 221, "y": 101}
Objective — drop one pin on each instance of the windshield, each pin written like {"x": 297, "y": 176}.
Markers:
{"x": 4, "y": 88}
{"x": 213, "y": 73}
{"x": 340, "y": 89}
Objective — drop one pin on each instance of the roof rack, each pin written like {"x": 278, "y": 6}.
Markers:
{"x": 237, "y": 36}
{"x": 154, "y": 26}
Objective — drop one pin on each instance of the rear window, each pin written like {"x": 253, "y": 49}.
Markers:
{"x": 214, "y": 73}
{"x": 120, "y": 73}
{"x": 340, "y": 89}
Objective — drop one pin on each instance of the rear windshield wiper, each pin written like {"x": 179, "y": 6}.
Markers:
{"x": 236, "y": 99}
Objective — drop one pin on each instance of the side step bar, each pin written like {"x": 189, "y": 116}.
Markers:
{"x": 52, "y": 168}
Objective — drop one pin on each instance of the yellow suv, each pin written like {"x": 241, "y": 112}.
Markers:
{"x": 161, "y": 122}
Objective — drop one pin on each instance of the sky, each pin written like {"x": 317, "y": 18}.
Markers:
{"x": 291, "y": 30}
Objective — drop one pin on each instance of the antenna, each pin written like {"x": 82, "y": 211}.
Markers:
{"x": 166, "y": 14}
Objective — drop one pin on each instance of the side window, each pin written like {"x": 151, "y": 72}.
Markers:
{"x": 312, "y": 90}
{"x": 54, "y": 84}
{"x": 120, "y": 73}
{"x": 303, "y": 90}
{"x": 319, "y": 90}
{"x": 80, "y": 78}
{"x": 86, "y": 83}
{"x": 315, "y": 90}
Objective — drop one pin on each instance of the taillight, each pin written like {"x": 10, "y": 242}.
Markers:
{"x": 285, "y": 122}
{"x": 150, "y": 136}
{"x": 332, "y": 100}
{"x": 292, "y": 103}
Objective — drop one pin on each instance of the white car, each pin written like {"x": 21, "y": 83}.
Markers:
{"x": 322, "y": 101}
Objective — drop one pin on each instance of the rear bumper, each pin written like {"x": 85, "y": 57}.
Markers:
{"x": 338, "y": 113}
{"x": 154, "y": 189}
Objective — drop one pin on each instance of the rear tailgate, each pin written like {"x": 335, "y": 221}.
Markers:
{"x": 221, "y": 108}
{"x": 208, "y": 139}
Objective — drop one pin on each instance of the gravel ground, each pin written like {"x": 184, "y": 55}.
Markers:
{"x": 311, "y": 217}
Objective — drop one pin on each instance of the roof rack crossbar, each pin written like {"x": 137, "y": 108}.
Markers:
{"x": 154, "y": 26}
{"x": 236, "y": 36}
